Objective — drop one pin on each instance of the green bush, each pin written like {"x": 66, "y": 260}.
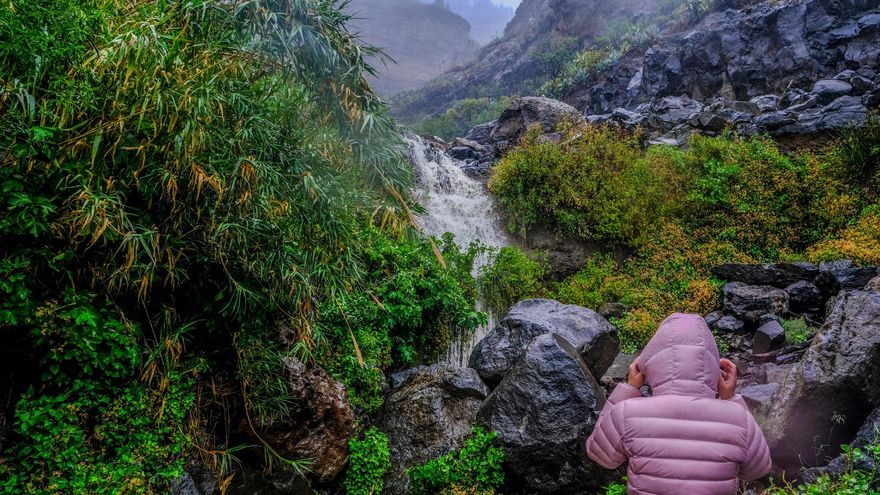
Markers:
{"x": 411, "y": 306}
{"x": 368, "y": 461}
{"x": 615, "y": 488}
{"x": 509, "y": 277}
{"x": 475, "y": 468}
{"x": 596, "y": 184}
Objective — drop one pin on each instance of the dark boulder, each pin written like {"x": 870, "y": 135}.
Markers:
{"x": 768, "y": 337}
{"x": 750, "y": 302}
{"x": 826, "y": 397}
{"x": 729, "y": 324}
{"x": 778, "y": 274}
{"x": 543, "y": 411}
{"x": 429, "y": 415}
{"x": 595, "y": 338}
{"x": 612, "y": 310}
{"x": 462, "y": 153}
{"x": 835, "y": 276}
{"x": 804, "y": 297}
{"x": 481, "y": 133}
{"x": 830, "y": 89}
{"x": 713, "y": 318}
{"x": 525, "y": 112}
{"x": 319, "y": 422}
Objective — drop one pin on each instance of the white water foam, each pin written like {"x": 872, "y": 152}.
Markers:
{"x": 456, "y": 203}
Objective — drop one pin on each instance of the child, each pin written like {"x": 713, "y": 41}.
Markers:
{"x": 694, "y": 436}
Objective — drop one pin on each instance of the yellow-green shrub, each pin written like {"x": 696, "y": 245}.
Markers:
{"x": 859, "y": 242}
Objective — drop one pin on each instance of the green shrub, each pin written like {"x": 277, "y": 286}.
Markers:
{"x": 616, "y": 488}
{"x": 796, "y": 331}
{"x": 368, "y": 461}
{"x": 859, "y": 242}
{"x": 595, "y": 184}
{"x": 509, "y": 277}
{"x": 475, "y": 468}
{"x": 461, "y": 116}
{"x": 408, "y": 310}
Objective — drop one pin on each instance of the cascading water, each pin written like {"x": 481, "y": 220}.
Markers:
{"x": 458, "y": 204}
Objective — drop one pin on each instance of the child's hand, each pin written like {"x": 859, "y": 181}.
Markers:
{"x": 727, "y": 381}
{"x": 635, "y": 377}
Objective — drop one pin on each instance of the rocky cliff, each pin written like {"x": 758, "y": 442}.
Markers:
{"x": 509, "y": 62}
{"x": 421, "y": 40}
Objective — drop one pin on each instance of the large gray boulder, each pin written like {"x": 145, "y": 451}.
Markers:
{"x": 595, "y": 339}
{"x": 750, "y": 302}
{"x": 543, "y": 411}
{"x": 430, "y": 414}
{"x": 525, "y": 112}
{"x": 823, "y": 401}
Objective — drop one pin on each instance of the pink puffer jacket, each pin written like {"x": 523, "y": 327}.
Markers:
{"x": 683, "y": 440}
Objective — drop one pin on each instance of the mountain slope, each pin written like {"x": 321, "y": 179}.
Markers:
{"x": 422, "y": 40}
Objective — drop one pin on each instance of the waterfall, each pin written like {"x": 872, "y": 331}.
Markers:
{"x": 456, "y": 203}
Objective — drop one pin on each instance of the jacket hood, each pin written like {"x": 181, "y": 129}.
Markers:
{"x": 682, "y": 358}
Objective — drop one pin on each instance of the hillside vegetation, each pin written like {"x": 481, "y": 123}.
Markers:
{"x": 681, "y": 212}
{"x": 180, "y": 180}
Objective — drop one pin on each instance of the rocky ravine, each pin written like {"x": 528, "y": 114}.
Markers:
{"x": 533, "y": 379}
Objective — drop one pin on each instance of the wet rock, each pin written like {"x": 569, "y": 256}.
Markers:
{"x": 873, "y": 284}
{"x": 766, "y": 103}
{"x": 830, "y": 89}
{"x": 777, "y": 274}
{"x": 835, "y": 276}
{"x": 462, "y": 153}
{"x": 543, "y": 411}
{"x": 319, "y": 422}
{"x": 712, "y": 318}
{"x": 481, "y": 133}
{"x": 532, "y": 110}
{"x": 592, "y": 335}
{"x": 612, "y": 310}
{"x": 729, "y": 324}
{"x": 760, "y": 395}
{"x": 749, "y": 302}
{"x": 399, "y": 378}
{"x": 804, "y": 297}
{"x": 429, "y": 415}
{"x": 867, "y": 435}
{"x": 834, "y": 384}
{"x": 768, "y": 337}
{"x": 861, "y": 85}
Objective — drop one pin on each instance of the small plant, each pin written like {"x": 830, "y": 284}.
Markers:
{"x": 796, "y": 331}
{"x": 368, "y": 461}
{"x": 616, "y": 488}
{"x": 852, "y": 482}
{"x": 476, "y": 467}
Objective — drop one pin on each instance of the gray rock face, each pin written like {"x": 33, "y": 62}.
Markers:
{"x": 532, "y": 110}
{"x": 543, "y": 411}
{"x": 612, "y": 310}
{"x": 729, "y": 324}
{"x": 804, "y": 297}
{"x": 835, "y": 276}
{"x": 834, "y": 385}
{"x": 429, "y": 415}
{"x": 830, "y": 89}
{"x": 777, "y": 274}
{"x": 769, "y": 337}
{"x": 595, "y": 338}
{"x": 750, "y": 302}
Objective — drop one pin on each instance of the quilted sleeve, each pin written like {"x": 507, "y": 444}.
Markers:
{"x": 605, "y": 444}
